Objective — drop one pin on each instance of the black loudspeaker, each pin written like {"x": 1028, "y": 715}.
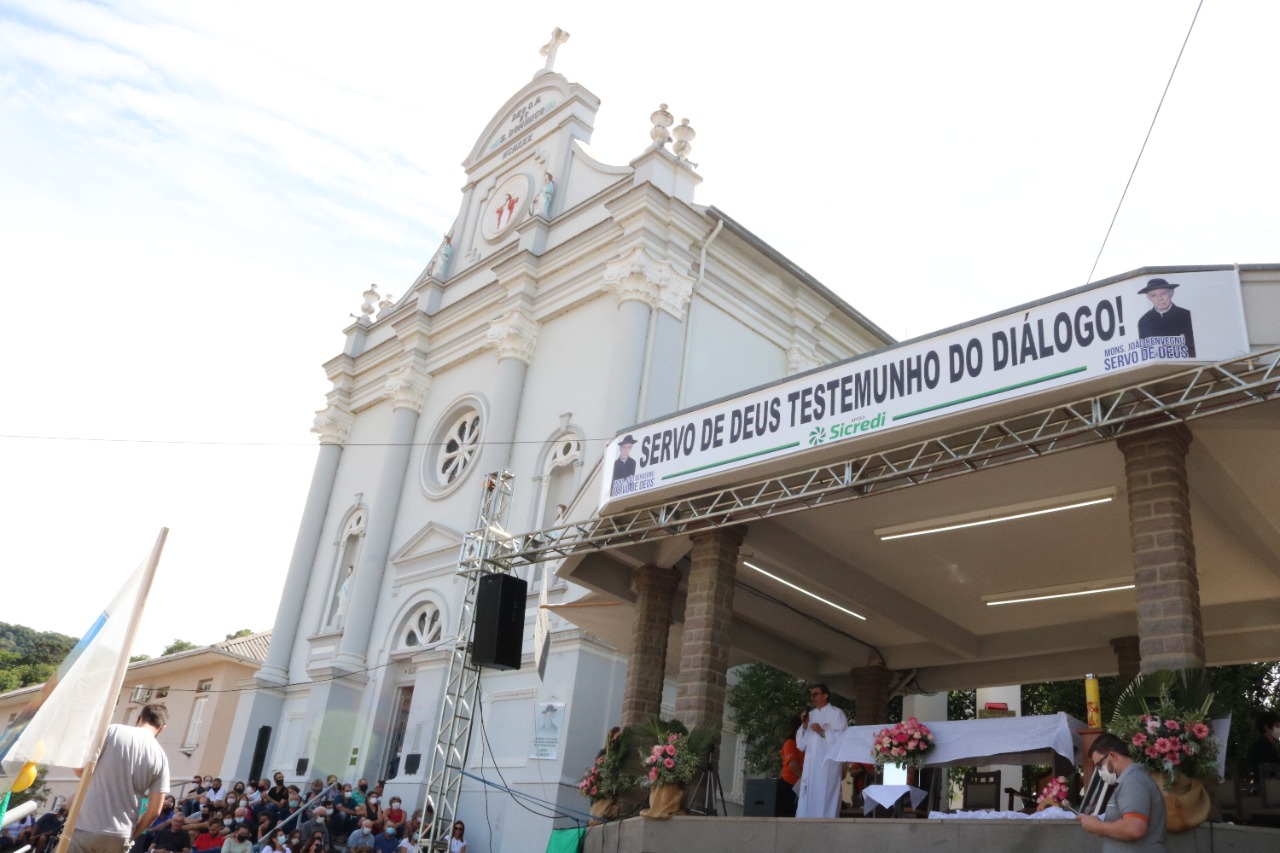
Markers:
{"x": 302, "y": 766}
{"x": 768, "y": 798}
{"x": 499, "y": 622}
{"x": 260, "y": 752}
{"x": 411, "y": 762}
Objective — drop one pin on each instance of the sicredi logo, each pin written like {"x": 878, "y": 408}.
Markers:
{"x": 845, "y": 429}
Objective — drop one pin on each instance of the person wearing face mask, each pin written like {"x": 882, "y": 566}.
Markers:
{"x": 316, "y": 826}
{"x": 239, "y": 842}
{"x": 278, "y": 793}
{"x": 396, "y": 817}
{"x": 362, "y": 837}
{"x": 361, "y": 793}
{"x": 1135, "y": 817}
{"x": 373, "y": 811}
{"x": 386, "y": 842}
{"x": 1266, "y": 749}
{"x": 344, "y": 818}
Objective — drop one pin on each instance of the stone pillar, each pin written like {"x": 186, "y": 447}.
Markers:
{"x": 641, "y": 284}
{"x": 407, "y": 388}
{"x": 333, "y": 425}
{"x": 708, "y": 614}
{"x": 512, "y": 338}
{"x": 871, "y": 694}
{"x": 1127, "y": 657}
{"x": 655, "y": 588}
{"x": 1164, "y": 556}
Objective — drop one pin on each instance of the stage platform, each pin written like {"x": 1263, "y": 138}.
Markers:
{"x": 788, "y": 835}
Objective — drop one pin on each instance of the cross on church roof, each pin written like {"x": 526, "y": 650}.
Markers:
{"x": 558, "y": 37}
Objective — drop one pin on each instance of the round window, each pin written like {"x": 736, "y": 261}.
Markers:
{"x": 453, "y": 450}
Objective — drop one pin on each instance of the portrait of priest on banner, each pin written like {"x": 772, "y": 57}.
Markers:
{"x": 1166, "y": 325}
{"x": 624, "y": 467}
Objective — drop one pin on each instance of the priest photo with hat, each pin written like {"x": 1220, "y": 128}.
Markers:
{"x": 1165, "y": 320}
{"x": 624, "y": 467}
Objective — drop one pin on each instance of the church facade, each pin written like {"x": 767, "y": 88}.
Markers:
{"x": 569, "y": 300}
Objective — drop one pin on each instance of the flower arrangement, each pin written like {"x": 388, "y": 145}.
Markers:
{"x": 1164, "y": 717}
{"x": 678, "y": 754}
{"x": 1056, "y": 792}
{"x": 606, "y": 779}
{"x": 1172, "y": 740}
{"x": 904, "y": 744}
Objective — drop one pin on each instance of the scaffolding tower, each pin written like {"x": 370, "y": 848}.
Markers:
{"x": 482, "y": 553}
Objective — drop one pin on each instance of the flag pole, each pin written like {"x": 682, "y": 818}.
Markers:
{"x": 122, "y": 666}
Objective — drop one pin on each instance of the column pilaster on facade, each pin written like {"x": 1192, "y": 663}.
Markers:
{"x": 871, "y": 694}
{"x": 407, "y": 388}
{"x": 655, "y": 589}
{"x": 513, "y": 336}
{"x": 708, "y": 616}
{"x": 366, "y": 583}
{"x": 1128, "y": 656}
{"x": 333, "y": 424}
{"x": 639, "y": 277}
{"x": 275, "y": 669}
{"x": 1167, "y": 586}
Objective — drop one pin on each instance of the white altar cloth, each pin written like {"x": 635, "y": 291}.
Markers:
{"x": 887, "y": 795}
{"x": 1002, "y": 740}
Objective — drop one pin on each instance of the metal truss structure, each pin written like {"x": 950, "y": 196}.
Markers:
{"x": 1196, "y": 393}
{"x": 480, "y": 555}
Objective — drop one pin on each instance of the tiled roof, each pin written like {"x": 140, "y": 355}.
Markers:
{"x": 253, "y": 647}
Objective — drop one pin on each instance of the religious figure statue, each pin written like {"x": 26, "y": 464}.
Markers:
{"x": 341, "y": 598}
{"x": 545, "y": 195}
{"x": 439, "y": 266}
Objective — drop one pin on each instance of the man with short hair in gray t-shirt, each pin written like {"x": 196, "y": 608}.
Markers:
{"x": 1135, "y": 819}
{"x": 131, "y": 765}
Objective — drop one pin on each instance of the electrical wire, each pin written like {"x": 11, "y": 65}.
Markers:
{"x": 484, "y": 732}
{"x": 200, "y": 443}
{"x": 1145, "y": 139}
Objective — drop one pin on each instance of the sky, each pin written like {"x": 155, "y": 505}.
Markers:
{"x": 193, "y": 197}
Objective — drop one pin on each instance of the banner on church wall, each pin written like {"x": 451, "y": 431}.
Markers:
{"x": 1158, "y": 319}
{"x": 548, "y": 720}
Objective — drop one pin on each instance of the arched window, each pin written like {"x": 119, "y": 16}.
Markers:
{"x": 421, "y": 627}
{"x": 344, "y": 570}
{"x": 560, "y": 475}
{"x": 453, "y": 447}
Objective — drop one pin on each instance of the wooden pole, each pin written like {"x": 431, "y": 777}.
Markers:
{"x": 122, "y": 666}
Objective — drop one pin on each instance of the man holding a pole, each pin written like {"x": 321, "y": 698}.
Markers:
{"x": 130, "y": 766}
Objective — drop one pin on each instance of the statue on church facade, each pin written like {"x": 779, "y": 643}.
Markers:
{"x": 439, "y": 266}
{"x": 545, "y": 196}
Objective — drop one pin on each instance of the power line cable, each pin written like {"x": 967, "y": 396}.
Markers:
{"x": 1145, "y": 139}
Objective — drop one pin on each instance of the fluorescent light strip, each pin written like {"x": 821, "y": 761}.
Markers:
{"x": 1060, "y": 595}
{"x": 805, "y": 591}
{"x": 978, "y": 519}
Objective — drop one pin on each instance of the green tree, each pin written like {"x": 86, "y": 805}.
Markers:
{"x": 178, "y": 646}
{"x": 761, "y": 703}
{"x": 243, "y": 632}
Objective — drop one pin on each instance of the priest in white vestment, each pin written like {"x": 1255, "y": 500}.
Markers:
{"x": 819, "y": 794}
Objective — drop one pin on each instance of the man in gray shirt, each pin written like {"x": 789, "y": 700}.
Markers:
{"x": 1135, "y": 818}
{"x": 362, "y": 837}
{"x": 131, "y": 765}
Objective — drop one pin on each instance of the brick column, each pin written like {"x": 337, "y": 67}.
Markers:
{"x": 1127, "y": 656}
{"x": 871, "y": 694}
{"x": 642, "y": 694}
{"x": 708, "y": 613}
{"x": 1164, "y": 554}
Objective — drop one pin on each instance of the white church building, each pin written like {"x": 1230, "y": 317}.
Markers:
{"x": 569, "y": 300}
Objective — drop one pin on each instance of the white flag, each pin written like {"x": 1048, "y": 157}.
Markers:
{"x": 62, "y": 726}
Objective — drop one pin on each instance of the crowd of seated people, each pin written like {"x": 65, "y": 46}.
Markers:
{"x": 255, "y": 817}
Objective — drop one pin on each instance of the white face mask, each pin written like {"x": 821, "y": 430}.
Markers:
{"x": 1108, "y": 775}
{"x": 1275, "y": 732}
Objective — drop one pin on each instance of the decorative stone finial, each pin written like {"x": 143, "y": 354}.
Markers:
{"x": 370, "y": 305}
{"x": 558, "y": 37}
{"x": 684, "y": 135}
{"x": 385, "y": 305}
{"x": 661, "y": 121}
